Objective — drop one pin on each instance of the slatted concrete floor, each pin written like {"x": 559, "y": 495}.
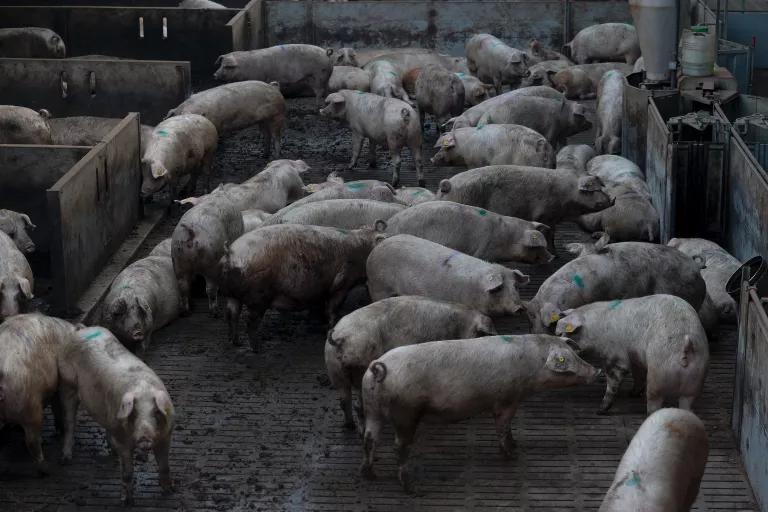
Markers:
{"x": 263, "y": 431}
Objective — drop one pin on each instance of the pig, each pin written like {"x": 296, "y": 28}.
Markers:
{"x": 614, "y": 170}
{"x": 89, "y": 130}
{"x": 605, "y": 42}
{"x": 386, "y": 80}
{"x": 198, "y": 242}
{"x": 382, "y": 121}
{"x": 538, "y": 74}
{"x": 610, "y": 112}
{"x": 239, "y": 105}
{"x": 555, "y": 120}
{"x": 575, "y": 157}
{"x": 632, "y": 217}
{"x": 409, "y": 81}
{"x": 639, "y": 65}
{"x": 293, "y": 66}
{"x": 180, "y": 145}
{"x": 332, "y": 180}
{"x": 200, "y": 4}
{"x": 720, "y": 266}
{"x": 349, "y": 77}
{"x": 494, "y": 144}
{"x": 292, "y": 267}
{"x": 345, "y": 57}
{"x": 407, "y": 265}
{"x": 663, "y": 465}
{"x": 338, "y": 213}
{"x": 405, "y": 59}
{"x": 659, "y": 338}
{"x": 15, "y": 225}
{"x": 472, "y": 115}
{"x": 360, "y": 189}
{"x": 369, "y": 332}
{"x": 474, "y": 231}
{"x": 124, "y": 396}
{"x": 541, "y": 195}
{"x": 143, "y": 298}
{"x": 581, "y": 82}
{"x": 439, "y": 92}
{"x": 162, "y": 249}
{"x": 16, "y": 279}
{"x": 623, "y": 270}
{"x": 451, "y": 380}
{"x": 253, "y": 219}
{"x": 29, "y": 374}
{"x": 21, "y": 125}
{"x": 475, "y": 91}
{"x": 410, "y": 196}
{"x": 459, "y": 65}
{"x": 31, "y": 43}
{"x": 494, "y": 62}
{"x": 537, "y": 52}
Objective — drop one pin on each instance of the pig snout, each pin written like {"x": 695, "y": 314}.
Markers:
{"x": 144, "y": 444}
{"x": 28, "y": 248}
{"x": 137, "y": 335}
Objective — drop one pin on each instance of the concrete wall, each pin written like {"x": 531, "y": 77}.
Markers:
{"x": 93, "y": 208}
{"x": 442, "y": 25}
{"x": 108, "y": 88}
{"x": 197, "y": 35}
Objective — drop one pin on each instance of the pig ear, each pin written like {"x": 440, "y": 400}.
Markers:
{"x": 520, "y": 278}
{"x": 494, "y": 282}
{"x": 534, "y": 238}
{"x": 44, "y": 113}
{"x": 380, "y": 226}
{"x": 126, "y": 406}
{"x": 550, "y": 314}
{"x": 27, "y": 221}
{"x": 568, "y": 325}
{"x": 558, "y": 361}
{"x": 158, "y": 171}
{"x": 589, "y": 184}
{"x": 602, "y": 242}
{"x": 445, "y": 186}
{"x": 144, "y": 306}
{"x": 576, "y": 249}
{"x": 329, "y": 52}
{"x": 164, "y": 404}
{"x": 119, "y": 307}
{"x": 25, "y": 287}
{"x": 218, "y": 61}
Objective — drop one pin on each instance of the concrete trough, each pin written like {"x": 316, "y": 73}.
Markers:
{"x": 84, "y": 201}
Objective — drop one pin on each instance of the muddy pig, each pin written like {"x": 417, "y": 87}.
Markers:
{"x": 292, "y": 267}
{"x": 632, "y": 217}
{"x": 277, "y": 185}
{"x": 367, "y": 333}
{"x": 123, "y": 395}
{"x": 349, "y": 77}
{"x": 239, "y": 105}
{"x": 539, "y": 74}
{"x": 359, "y": 189}
{"x": 180, "y": 145}
{"x": 581, "y": 82}
{"x": 253, "y": 219}
{"x": 555, "y": 120}
{"x": 622, "y": 270}
{"x": 457, "y": 379}
{"x": 338, "y": 213}
{"x": 472, "y": 115}
{"x": 407, "y": 265}
{"x": 720, "y": 266}
{"x": 15, "y": 225}
{"x": 474, "y": 231}
{"x": 16, "y": 279}
{"x": 537, "y": 52}
{"x": 439, "y": 92}
{"x": 382, "y": 121}
{"x": 293, "y": 66}
{"x": 494, "y": 144}
{"x": 475, "y": 91}
{"x": 610, "y": 112}
{"x": 410, "y": 196}
{"x": 605, "y": 42}
{"x": 21, "y": 125}
{"x": 659, "y": 338}
{"x": 493, "y": 62}
{"x": 143, "y": 298}
{"x": 575, "y": 157}
{"x": 345, "y": 57}
{"x": 30, "y": 346}
{"x": 31, "y": 43}
{"x": 542, "y": 195}
{"x": 386, "y": 80}
{"x": 663, "y": 465}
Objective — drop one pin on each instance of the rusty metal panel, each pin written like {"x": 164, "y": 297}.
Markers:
{"x": 93, "y": 208}
{"x": 659, "y": 173}
{"x": 25, "y": 173}
{"x": 108, "y": 88}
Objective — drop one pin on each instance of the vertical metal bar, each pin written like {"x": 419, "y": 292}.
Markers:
{"x": 741, "y": 351}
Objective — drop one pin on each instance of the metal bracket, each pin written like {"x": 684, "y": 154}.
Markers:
{"x": 700, "y": 121}
{"x": 742, "y": 124}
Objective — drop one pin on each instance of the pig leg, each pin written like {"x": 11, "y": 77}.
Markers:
{"x": 276, "y": 134}
{"x": 212, "y": 291}
{"x": 614, "y": 376}
{"x": 371, "y": 154}
{"x": 639, "y": 377}
{"x": 254, "y": 320}
{"x": 233, "y": 320}
{"x": 184, "y": 282}
{"x": 404, "y": 434}
{"x": 33, "y": 439}
{"x": 126, "y": 470}
{"x": 686, "y": 402}
{"x": 395, "y": 161}
{"x": 357, "y": 145}
{"x": 497, "y": 84}
{"x": 69, "y": 404}
{"x": 370, "y": 439}
{"x": 207, "y": 170}
{"x": 267, "y": 141}
{"x": 503, "y": 418}
{"x": 345, "y": 401}
{"x": 416, "y": 153}
{"x": 161, "y": 450}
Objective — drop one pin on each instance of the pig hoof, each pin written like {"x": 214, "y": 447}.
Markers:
{"x": 366, "y": 472}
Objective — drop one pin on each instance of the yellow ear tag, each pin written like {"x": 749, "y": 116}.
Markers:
{"x": 561, "y": 359}
{"x": 446, "y": 143}
{"x": 569, "y": 328}
{"x": 554, "y": 317}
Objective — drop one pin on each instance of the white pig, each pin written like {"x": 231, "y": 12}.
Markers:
{"x": 410, "y": 196}
{"x": 349, "y": 77}
{"x": 15, "y": 225}
{"x": 386, "y": 80}
{"x": 16, "y": 279}
{"x": 610, "y": 112}
{"x": 31, "y": 43}
{"x": 338, "y": 213}
{"x": 605, "y": 42}
{"x": 582, "y": 81}
{"x": 21, "y": 125}
{"x": 575, "y": 157}
{"x": 492, "y": 61}
{"x": 472, "y": 115}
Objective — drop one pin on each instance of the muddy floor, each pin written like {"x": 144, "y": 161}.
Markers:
{"x": 262, "y": 431}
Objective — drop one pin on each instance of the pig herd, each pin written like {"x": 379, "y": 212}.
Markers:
{"x": 438, "y": 266}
